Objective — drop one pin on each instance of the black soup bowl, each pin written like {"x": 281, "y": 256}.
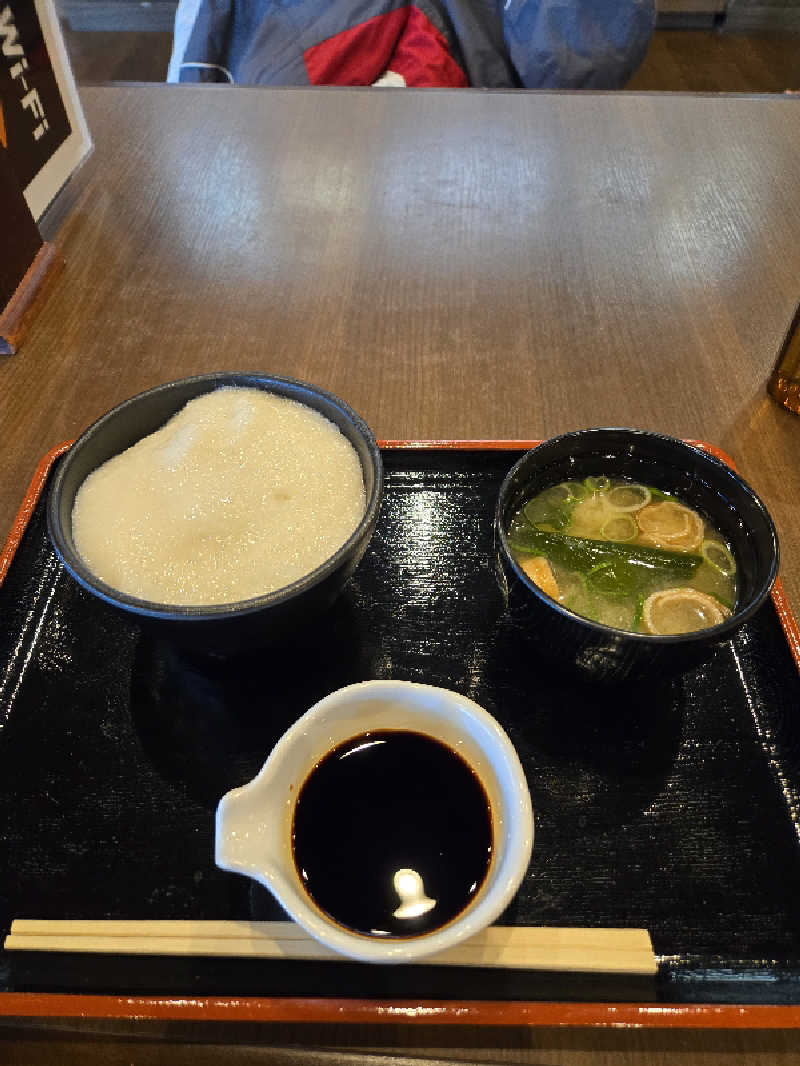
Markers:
{"x": 229, "y": 627}
{"x": 696, "y": 478}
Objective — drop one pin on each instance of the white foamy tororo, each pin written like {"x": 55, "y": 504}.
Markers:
{"x": 239, "y": 494}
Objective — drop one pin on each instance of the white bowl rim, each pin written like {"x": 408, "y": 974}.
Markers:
{"x": 288, "y": 387}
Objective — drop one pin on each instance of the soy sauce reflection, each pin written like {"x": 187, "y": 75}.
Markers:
{"x": 392, "y": 834}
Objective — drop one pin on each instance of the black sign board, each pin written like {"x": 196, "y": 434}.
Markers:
{"x": 41, "y": 122}
{"x": 27, "y": 264}
{"x": 43, "y": 138}
{"x": 21, "y": 239}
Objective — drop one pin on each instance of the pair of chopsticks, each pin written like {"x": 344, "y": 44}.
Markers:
{"x": 622, "y": 951}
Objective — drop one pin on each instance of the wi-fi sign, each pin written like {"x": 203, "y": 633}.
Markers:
{"x": 41, "y": 122}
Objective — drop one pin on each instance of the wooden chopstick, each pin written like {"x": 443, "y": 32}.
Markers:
{"x": 627, "y": 951}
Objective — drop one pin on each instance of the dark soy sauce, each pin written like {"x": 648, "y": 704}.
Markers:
{"x": 392, "y": 834}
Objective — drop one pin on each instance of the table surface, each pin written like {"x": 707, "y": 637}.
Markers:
{"x": 467, "y": 264}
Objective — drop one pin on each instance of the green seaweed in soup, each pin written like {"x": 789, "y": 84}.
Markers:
{"x": 625, "y": 554}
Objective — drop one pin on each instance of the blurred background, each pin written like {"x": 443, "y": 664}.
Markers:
{"x": 698, "y": 46}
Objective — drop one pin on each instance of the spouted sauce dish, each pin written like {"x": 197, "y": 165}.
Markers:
{"x": 392, "y": 834}
{"x": 625, "y": 554}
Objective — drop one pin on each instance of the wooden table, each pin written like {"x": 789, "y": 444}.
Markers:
{"x": 453, "y": 264}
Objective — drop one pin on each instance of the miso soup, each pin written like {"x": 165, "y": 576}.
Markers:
{"x": 625, "y": 554}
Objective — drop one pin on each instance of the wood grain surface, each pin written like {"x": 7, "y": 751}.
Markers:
{"x": 681, "y": 60}
{"x": 453, "y": 264}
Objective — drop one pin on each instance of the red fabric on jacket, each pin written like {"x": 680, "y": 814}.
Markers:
{"x": 404, "y": 41}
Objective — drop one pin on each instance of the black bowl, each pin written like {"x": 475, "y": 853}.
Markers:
{"x": 698, "y": 479}
{"x": 223, "y": 628}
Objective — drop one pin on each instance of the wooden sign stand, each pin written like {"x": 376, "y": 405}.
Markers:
{"x": 28, "y": 296}
{"x": 29, "y": 265}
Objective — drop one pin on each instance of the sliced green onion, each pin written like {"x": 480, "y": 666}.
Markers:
{"x": 717, "y": 555}
{"x": 576, "y": 491}
{"x": 597, "y": 484}
{"x": 560, "y": 493}
{"x": 538, "y": 510}
{"x": 553, "y": 506}
{"x": 621, "y": 527}
{"x": 629, "y": 497}
{"x": 556, "y": 522}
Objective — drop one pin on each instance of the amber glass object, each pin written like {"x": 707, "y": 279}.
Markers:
{"x": 784, "y": 383}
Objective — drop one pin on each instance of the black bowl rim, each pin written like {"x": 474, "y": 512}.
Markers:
{"x": 239, "y": 608}
{"x": 699, "y": 636}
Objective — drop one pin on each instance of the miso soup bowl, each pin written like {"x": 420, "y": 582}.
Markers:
{"x": 699, "y": 480}
{"x": 254, "y": 822}
{"x": 229, "y": 627}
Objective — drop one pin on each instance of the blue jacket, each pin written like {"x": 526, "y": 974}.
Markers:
{"x": 488, "y": 43}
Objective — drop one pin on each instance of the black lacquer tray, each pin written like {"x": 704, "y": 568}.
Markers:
{"x": 672, "y": 805}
